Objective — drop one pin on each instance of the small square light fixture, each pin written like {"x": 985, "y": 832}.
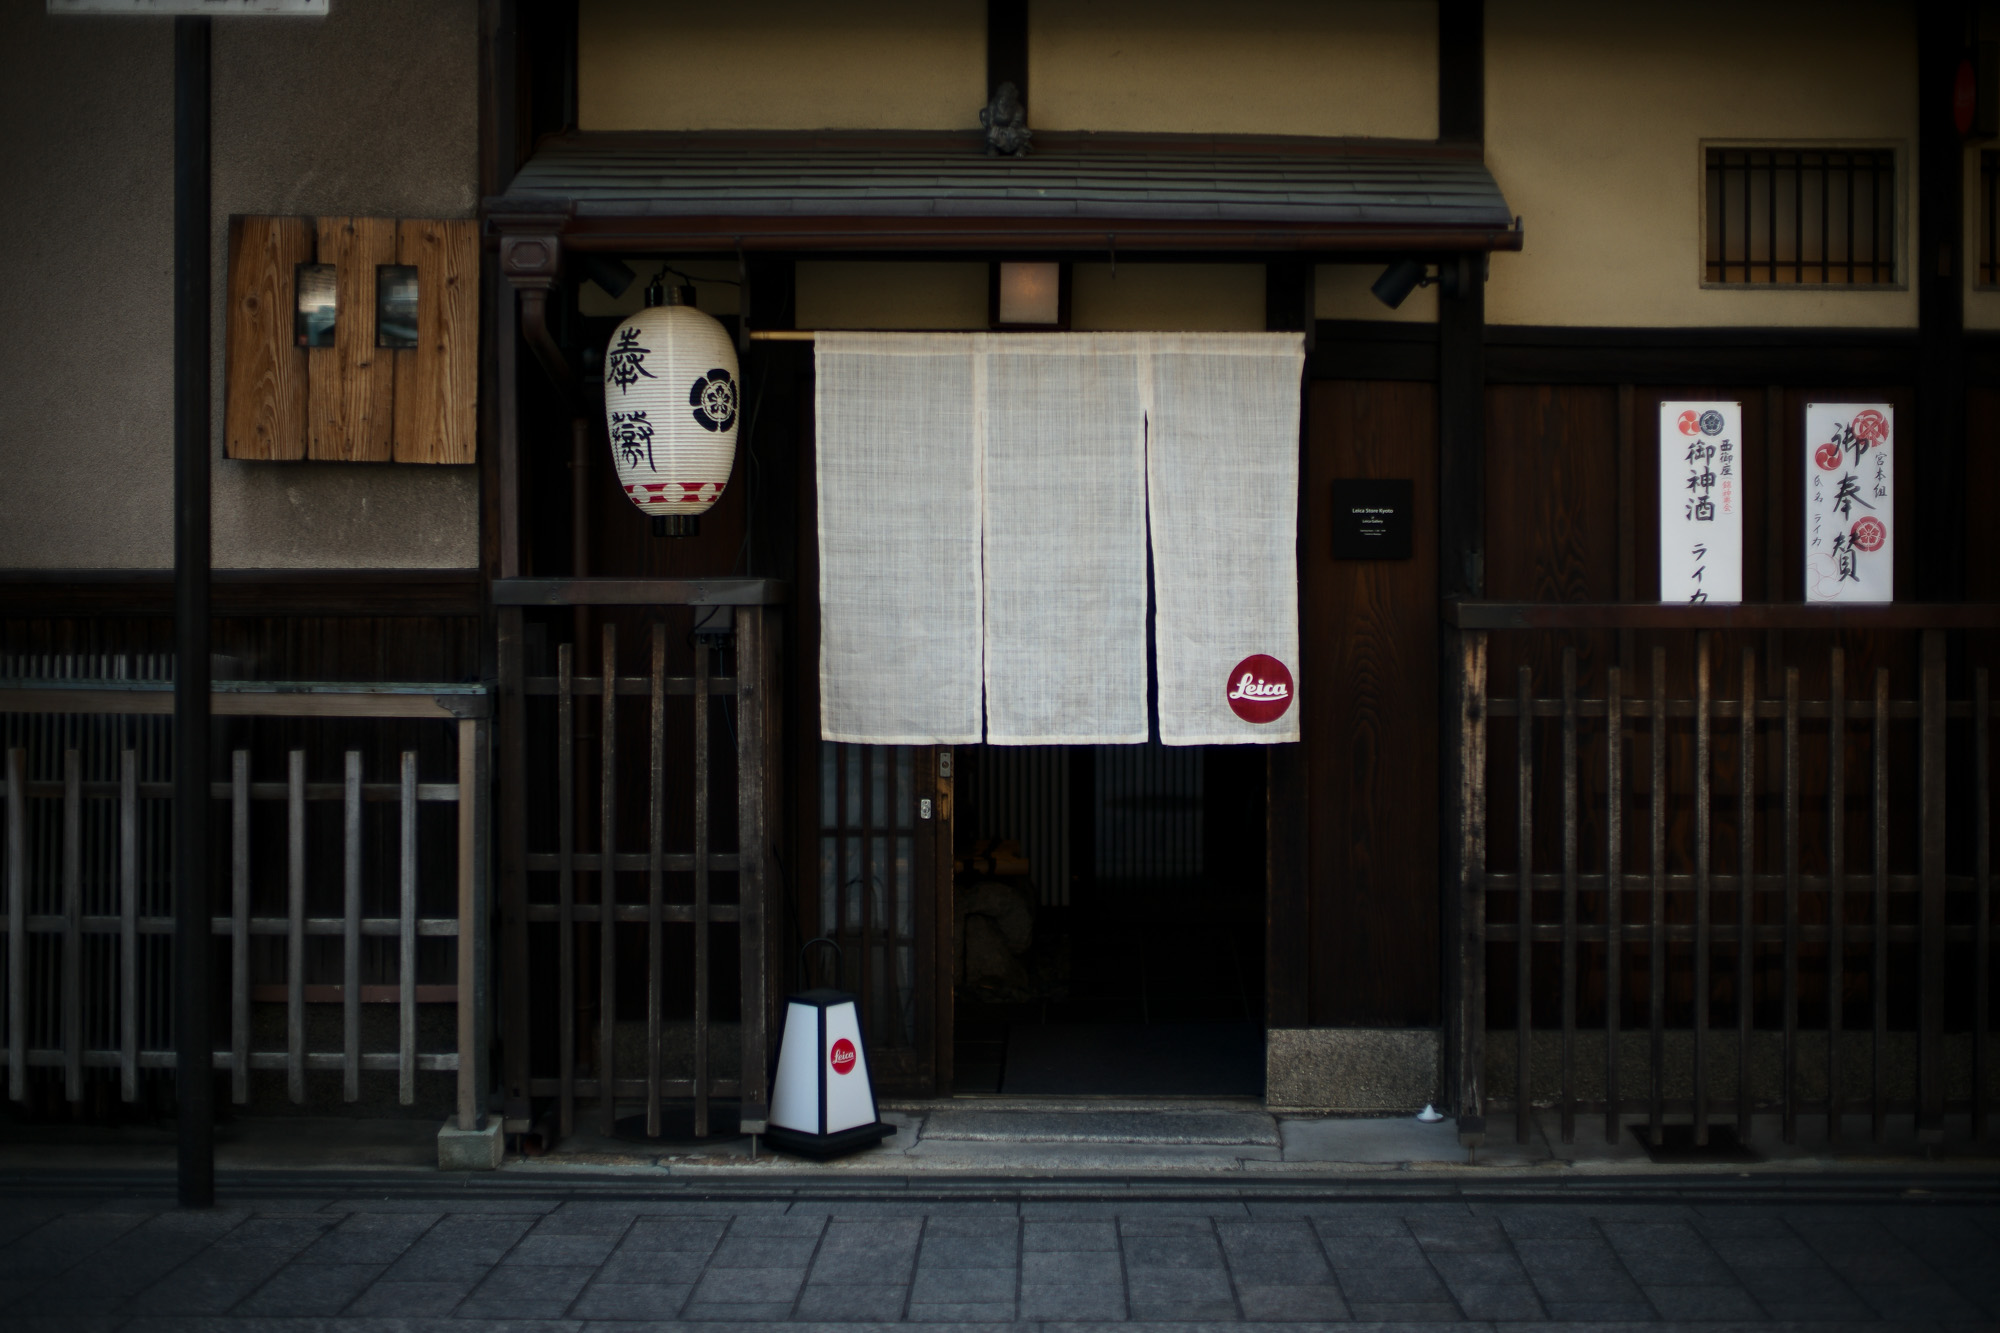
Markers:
{"x": 1030, "y": 296}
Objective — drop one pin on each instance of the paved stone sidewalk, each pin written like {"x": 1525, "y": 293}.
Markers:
{"x": 407, "y": 1260}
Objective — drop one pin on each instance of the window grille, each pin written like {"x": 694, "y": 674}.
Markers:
{"x": 1801, "y": 216}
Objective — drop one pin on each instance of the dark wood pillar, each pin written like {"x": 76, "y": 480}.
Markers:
{"x": 1461, "y": 553}
{"x": 1943, "y": 31}
{"x": 1288, "y": 305}
{"x": 1007, "y": 46}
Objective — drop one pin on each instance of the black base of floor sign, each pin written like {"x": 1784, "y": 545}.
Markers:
{"x": 824, "y": 1146}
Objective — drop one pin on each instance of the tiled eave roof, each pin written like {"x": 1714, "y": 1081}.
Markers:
{"x": 940, "y": 191}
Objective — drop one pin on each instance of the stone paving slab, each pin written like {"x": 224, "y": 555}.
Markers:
{"x": 1772, "y": 1260}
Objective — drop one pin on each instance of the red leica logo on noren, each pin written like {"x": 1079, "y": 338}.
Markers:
{"x": 1260, "y": 688}
{"x": 841, "y": 1057}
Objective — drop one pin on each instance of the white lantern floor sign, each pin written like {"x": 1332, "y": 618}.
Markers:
{"x": 671, "y": 408}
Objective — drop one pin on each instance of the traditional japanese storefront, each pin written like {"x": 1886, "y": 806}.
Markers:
{"x": 1544, "y": 823}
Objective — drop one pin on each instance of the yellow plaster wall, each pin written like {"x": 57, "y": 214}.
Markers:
{"x": 1167, "y": 298}
{"x": 1340, "y": 291}
{"x": 868, "y": 295}
{"x": 1328, "y": 67}
{"x": 1596, "y": 118}
{"x": 780, "y": 64}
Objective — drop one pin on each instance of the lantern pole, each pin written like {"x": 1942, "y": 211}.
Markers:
{"x": 194, "y": 1081}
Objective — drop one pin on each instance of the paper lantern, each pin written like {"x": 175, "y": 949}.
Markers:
{"x": 671, "y": 408}
{"x": 822, "y": 1099}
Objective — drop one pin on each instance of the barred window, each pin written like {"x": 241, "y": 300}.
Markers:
{"x": 1801, "y": 216}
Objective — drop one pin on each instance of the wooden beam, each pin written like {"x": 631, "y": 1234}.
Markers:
{"x": 242, "y": 593}
{"x": 1462, "y": 70}
{"x": 1939, "y": 277}
{"x": 1715, "y": 615}
{"x": 1007, "y": 47}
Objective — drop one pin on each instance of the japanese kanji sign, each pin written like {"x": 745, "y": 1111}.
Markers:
{"x": 1701, "y": 502}
{"x": 1850, "y": 494}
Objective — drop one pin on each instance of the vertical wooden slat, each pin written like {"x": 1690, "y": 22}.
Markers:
{"x": 239, "y": 926}
{"x": 1931, "y": 933}
{"x": 72, "y": 905}
{"x": 351, "y": 386}
{"x": 350, "y": 911}
{"x": 471, "y": 1090}
{"x": 17, "y": 924}
{"x": 128, "y": 925}
{"x": 701, "y": 780}
{"x": 656, "y": 841}
{"x": 1614, "y": 888}
{"x": 1569, "y": 896}
{"x": 295, "y": 927}
{"x": 1791, "y": 832}
{"x": 756, "y": 751}
{"x": 1836, "y": 879}
{"x": 1878, "y": 982}
{"x": 265, "y": 412}
{"x": 1982, "y": 881}
{"x": 1703, "y": 792}
{"x": 1524, "y": 902}
{"x": 607, "y": 892}
{"x": 1656, "y": 922}
{"x": 1746, "y": 890}
{"x": 406, "y": 939}
{"x": 437, "y": 381}
{"x": 565, "y": 890}
{"x": 1468, "y": 919}
{"x": 864, "y": 884}
{"x": 509, "y": 730}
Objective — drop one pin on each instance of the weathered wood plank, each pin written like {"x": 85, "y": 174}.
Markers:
{"x": 351, "y": 386}
{"x": 406, "y": 939}
{"x": 437, "y": 381}
{"x": 265, "y": 391}
{"x": 128, "y": 925}
{"x": 1703, "y": 794}
{"x": 17, "y": 924}
{"x": 239, "y": 926}
{"x": 1614, "y": 896}
{"x": 1931, "y": 968}
{"x": 470, "y": 1086}
{"x": 607, "y": 885}
{"x": 351, "y": 929}
{"x": 72, "y": 936}
{"x": 295, "y": 934}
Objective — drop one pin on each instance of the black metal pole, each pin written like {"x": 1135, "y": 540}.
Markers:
{"x": 194, "y": 1080}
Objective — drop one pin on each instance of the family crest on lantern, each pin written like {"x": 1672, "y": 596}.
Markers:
{"x": 673, "y": 458}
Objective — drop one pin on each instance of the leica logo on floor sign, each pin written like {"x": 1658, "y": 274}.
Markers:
{"x": 1260, "y": 688}
{"x": 841, "y": 1057}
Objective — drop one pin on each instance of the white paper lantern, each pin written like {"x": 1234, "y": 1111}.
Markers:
{"x": 671, "y": 407}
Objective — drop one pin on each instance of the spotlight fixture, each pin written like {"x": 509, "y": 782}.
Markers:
{"x": 1399, "y": 280}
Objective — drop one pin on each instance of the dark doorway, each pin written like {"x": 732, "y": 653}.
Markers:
{"x": 1109, "y": 921}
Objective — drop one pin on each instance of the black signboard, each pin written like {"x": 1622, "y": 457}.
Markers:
{"x": 1372, "y": 519}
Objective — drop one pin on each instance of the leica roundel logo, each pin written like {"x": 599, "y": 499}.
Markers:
{"x": 1260, "y": 688}
{"x": 841, "y": 1057}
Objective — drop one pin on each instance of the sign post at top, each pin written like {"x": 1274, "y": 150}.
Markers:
{"x": 193, "y": 8}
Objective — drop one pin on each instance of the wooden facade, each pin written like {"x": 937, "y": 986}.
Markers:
{"x": 1535, "y": 813}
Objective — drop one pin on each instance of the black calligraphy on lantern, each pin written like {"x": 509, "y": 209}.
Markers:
{"x": 626, "y": 361}
{"x": 632, "y": 437}
{"x": 1848, "y": 495}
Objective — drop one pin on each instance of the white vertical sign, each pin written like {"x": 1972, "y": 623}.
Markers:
{"x": 1850, "y": 502}
{"x": 1701, "y": 502}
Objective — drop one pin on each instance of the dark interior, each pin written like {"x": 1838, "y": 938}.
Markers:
{"x": 1111, "y": 908}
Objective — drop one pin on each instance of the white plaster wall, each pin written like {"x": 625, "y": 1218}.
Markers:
{"x": 371, "y": 111}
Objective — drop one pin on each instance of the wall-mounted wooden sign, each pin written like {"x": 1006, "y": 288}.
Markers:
{"x": 1373, "y": 519}
{"x": 330, "y": 366}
